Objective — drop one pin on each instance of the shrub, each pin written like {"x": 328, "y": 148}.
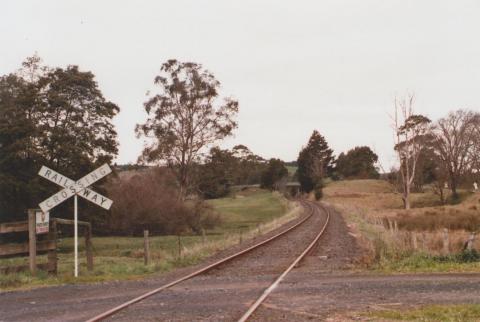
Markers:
{"x": 150, "y": 200}
{"x": 318, "y": 193}
{"x": 466, "y": 256}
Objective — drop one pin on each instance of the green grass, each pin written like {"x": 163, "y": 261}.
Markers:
{"x": 246, "y": 210}
{"x": 425, "y": 263}
{"x": 431, "y": 313}
{"x": 122, "y": 257}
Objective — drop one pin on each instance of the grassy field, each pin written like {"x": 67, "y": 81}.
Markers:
{"x": 431, "y": 313}
{"x": 397, "y": 240}
{"x": 248, "y": 213}
{"x": 291, "y": 169}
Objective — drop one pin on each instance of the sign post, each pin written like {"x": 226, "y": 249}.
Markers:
{"x": 75, "y": 189}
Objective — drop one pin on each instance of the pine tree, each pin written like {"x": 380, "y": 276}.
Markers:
{"x": 315, "y": 162}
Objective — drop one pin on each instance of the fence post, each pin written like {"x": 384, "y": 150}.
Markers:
{"x": 88, "y": 247}
{"x": 179, "y": 246}
{"x": 146, "y": 248}
{"x": 52, "y": 254}
{"x": 32, "y": 241}
{"x": 471, "y": 240}
{"x": 414, "y": 240}
{"x": 446, "y": 246}
{"x": 204, "y": 238}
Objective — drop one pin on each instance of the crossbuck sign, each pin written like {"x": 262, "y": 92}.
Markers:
{"x": 75, "y": 188}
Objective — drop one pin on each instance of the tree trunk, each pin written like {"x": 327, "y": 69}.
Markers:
{"x": 453, "y": 186}
{"x": 406, "y": 196}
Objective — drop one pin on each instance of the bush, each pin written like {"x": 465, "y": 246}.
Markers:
{"x": 466, "y": 256}
{"x": 318, "y": 193}
{"x": 150, "y": 200}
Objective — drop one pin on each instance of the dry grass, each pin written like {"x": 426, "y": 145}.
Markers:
{"x": 390, "y": 234}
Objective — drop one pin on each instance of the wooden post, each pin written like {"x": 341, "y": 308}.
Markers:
{"x": 414, "y": 240}
{"x": 146, "y": 248}
{"x": 32, "y": 241}
{"x": 52, "y": 254}
{"x": 88, "y": 246}
{"x": 179, "y": 246}
{"x": 471, "y": 240}
{"x": 241, "y": 236}
{"x": 446, "y": 246}
{"x": 204, "y": 238}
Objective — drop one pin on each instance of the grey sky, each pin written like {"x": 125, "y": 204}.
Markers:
{"x": 294, "y": 66}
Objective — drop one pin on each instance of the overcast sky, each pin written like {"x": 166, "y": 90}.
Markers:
{"x": 294, "y": 66}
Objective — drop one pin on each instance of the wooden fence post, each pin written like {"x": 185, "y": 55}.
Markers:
{"x": 52, "y": 254}
{"x": 88, "y": 246}
{"x": 32, "y": 241}
{"x": 414, "y": 240}
{"x": 446, "y": 246}
{"x": 179, "y": 246}
{"x": 146, "y": 248}
{"x": 204, "y": 238}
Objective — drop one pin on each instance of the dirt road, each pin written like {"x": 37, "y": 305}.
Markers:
{"x": 321, "y": 286}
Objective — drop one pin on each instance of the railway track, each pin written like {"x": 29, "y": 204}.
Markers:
{"x": 312, "y": 210}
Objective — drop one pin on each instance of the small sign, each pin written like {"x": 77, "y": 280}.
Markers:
{"x": 42, "y": 221}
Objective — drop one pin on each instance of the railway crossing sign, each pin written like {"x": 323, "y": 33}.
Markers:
{"x": 75, "y": 188}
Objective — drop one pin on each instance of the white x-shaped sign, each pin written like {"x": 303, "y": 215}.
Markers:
{"x": 72, "y": 188}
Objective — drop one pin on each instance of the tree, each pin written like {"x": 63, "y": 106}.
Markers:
{"x": 410, "y": 130}
{"x": 184, "y": 118}
{"x": 54, "y": 117}
{"x": 216, "y": 175}
{"x": 250, "y": 166}
{"x": 315, "y": 161}
{"x": 358, "y": 163}
{"x": 456, "y": 138}
{"x": 273, "y": 174}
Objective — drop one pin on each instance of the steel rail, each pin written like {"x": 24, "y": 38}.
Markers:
{"x": 124, "y": 305}
{"x": 270, "y": 289}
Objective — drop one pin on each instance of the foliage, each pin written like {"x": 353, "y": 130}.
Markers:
{"x": 224, "y": 168}
{"x": 315, "y": 162}
{"x": 410, "y": 131}
{"x": 184, "y": 118}
{"x": 150, "y": 200}
{"x": 357, "y": 163}
{"x": 216, "y": 176}
{"x": 457, "y": 138}
{"x": 466, "y": 256}
{"x": 274, "y": 174}
{"x": 54, "y": 117}
{"x": 318, "y": 191}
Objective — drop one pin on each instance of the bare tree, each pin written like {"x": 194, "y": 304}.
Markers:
{"x": 410, "y": 130}
{"x": 456, "y": 137}
{"x": 184, "y": 118}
